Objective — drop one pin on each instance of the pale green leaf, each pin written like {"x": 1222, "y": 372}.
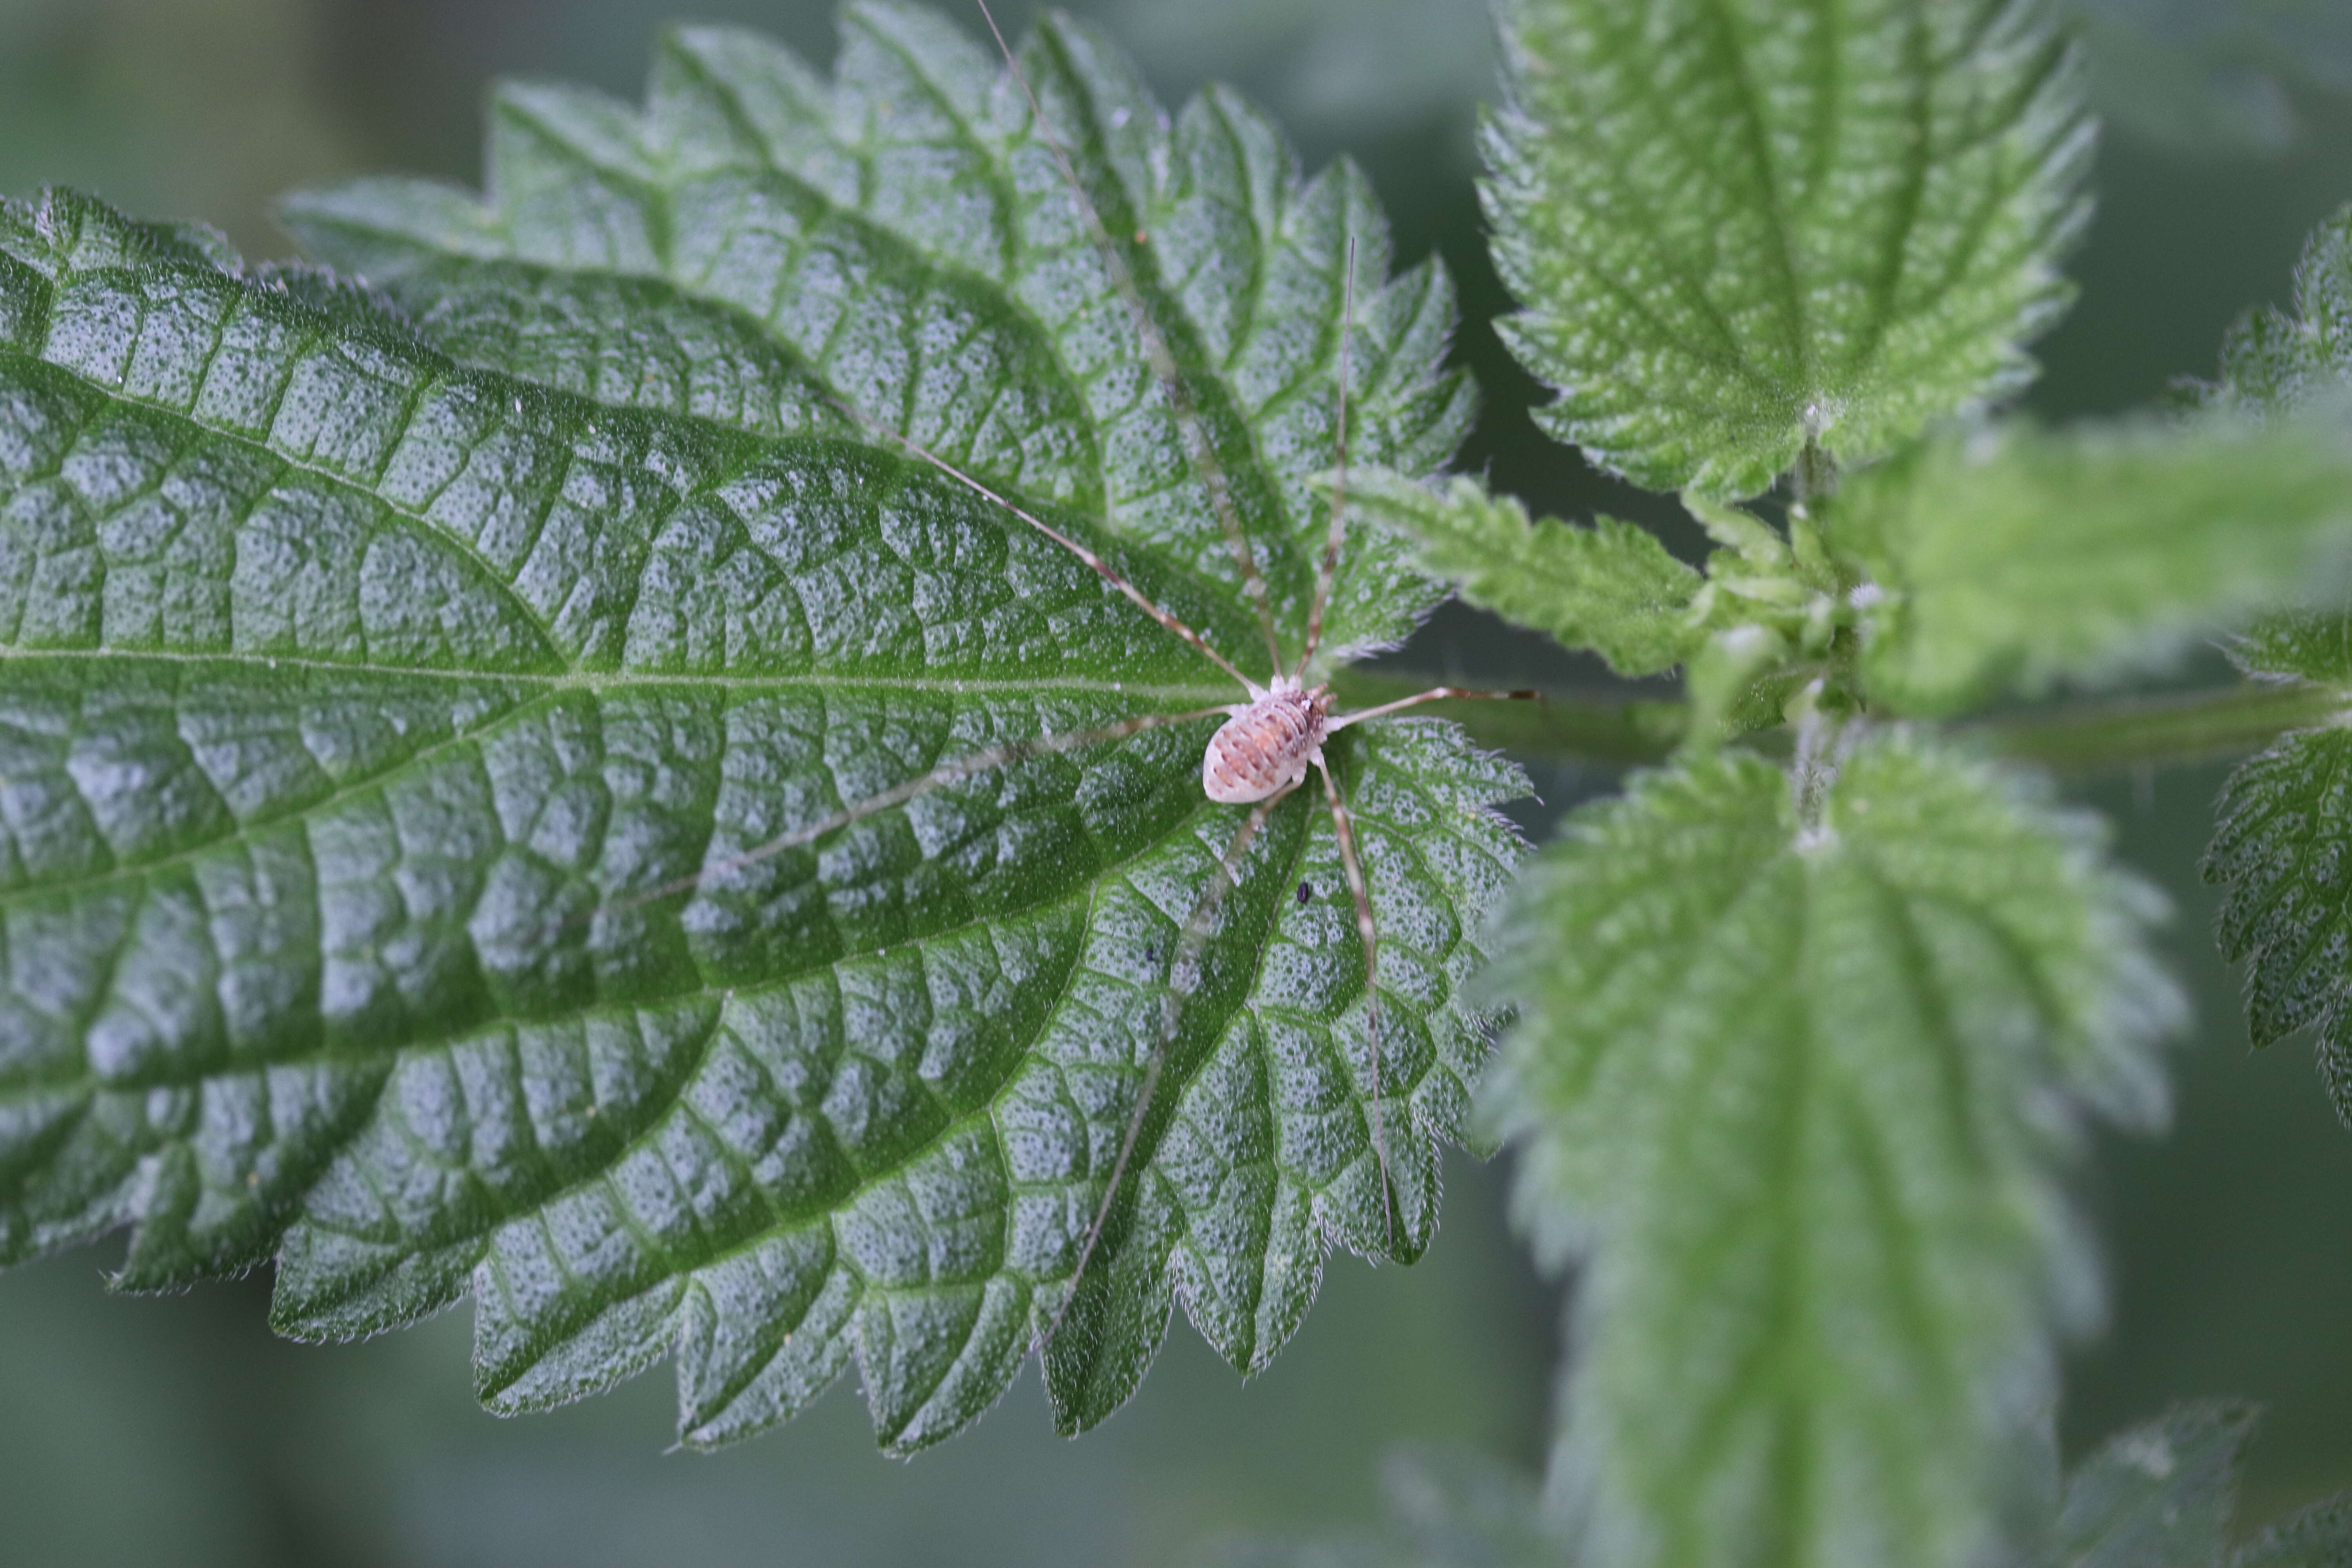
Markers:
{"x": 2011, "y": 559}
{"x": 367, "y": 660}
{"x": 1612, "y": 587}
{"x": 1797, "y": 1085}
{"x": 1740, "y": 230}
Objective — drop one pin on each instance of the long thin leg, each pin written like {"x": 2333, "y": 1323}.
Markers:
{"x": 1164, "y": 367}
{"x": 1369, "y": 935}
{"x": 1329, "y": 571}
{"x": 1184, "y": 974}
{"x": 1056, "y": 534}
{"x": 946, "y": 773}
{"x": 1435, "y": 694}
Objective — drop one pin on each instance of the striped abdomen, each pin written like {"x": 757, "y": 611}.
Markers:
{"x": 1265, "y": 745}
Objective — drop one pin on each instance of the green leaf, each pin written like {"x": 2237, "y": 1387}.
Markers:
{"x": 2277, "y": 849}
{"x": 1743, "y": 231}
{"x": 1796, "y": 1081}
{"x": 2274, "y": 361}
{"x": 2158, "y": 1496}
{"x": 2277, "y": 853}
{"x": 2008, "y": 559}
{"x": 908, "y": 238}
{"x": 372, "y": 659}
{"x": 1447, "y": 1509}
{"x": 1612, "y": 587}
{"x": 2297, "y": 644}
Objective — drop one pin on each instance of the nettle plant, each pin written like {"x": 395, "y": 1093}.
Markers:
{"x": 631, "y": 748}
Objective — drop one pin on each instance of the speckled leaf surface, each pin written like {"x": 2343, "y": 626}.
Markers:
{"x": 368, "y": 654}
{"x": 2285, "y": 815}
{"x": 1740, "y": 226}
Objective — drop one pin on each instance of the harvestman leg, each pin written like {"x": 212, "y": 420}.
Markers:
{"x": 1164, "y": 368}
{"x": 1368, "y": 935}
{"x": 1335, "y": 533}
{"x": 1183, "y": 975}
{"x": 1204, "y": 458}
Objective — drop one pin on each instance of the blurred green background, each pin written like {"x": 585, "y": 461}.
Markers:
{"x": 179, "y": 1431}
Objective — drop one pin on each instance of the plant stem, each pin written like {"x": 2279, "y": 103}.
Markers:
{"x": 2076, "y": 739}
{"x": 1568, "y": 725}
{"x": 2157, "y": 731}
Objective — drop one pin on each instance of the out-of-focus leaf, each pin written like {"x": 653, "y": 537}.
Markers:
{"x": 2012, "y": 559}
{"x": 1449, "y": 1510}
{"x": 2201, "y": 77}
{"x": 1740, "y": 231}
{"x": 2158, "y": 1496}
{"x": 2319, "y": 1537}
{"x": 1797, "y": 1067}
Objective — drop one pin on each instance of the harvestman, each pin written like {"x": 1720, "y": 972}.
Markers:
{"x": 1258, "y": 757}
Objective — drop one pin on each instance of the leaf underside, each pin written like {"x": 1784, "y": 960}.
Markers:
{"x": 369, "y": 652}
{"x": 1741, "y": 229}
{"x": 1798, "y": 1091}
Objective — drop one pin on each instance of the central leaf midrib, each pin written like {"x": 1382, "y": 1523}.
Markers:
{"x": 603, "y": 680}
{"x": 550, "y": 687}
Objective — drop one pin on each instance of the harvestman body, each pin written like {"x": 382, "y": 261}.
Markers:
{"x": 1258, "y": 757}
{"x": 1267, "y": 743}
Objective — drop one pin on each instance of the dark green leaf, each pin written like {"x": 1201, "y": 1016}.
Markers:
{"x": 1796, "y": 1079}
{"x": 2278, "y": 848}
{"x": 1740, "y": 231}
{"x": 2278, "y": 853}
{"x": 368, "y": 659}
{"x": 1612, "y": 587}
